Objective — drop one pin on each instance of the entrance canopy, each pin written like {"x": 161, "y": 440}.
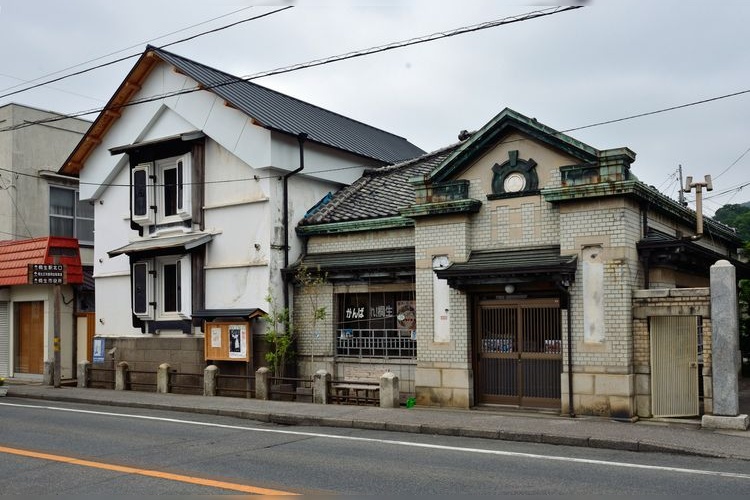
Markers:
{"x": 511, "y": 266}
{"x": 163, "y": 246}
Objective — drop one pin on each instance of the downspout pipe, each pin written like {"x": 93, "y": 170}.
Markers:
{"x": 301, "y": 138}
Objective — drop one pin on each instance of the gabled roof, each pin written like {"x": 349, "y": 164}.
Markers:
{"x": 488, "y": 136}
{"x": 268, "y": 108}
{"x": 379, "y": 193}
{"x": 16, "y": 255}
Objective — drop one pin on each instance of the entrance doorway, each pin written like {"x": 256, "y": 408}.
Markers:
{"x": 518, "y": 348}
{"x": 674, "y": 366}
{"x": 29, "y": 337}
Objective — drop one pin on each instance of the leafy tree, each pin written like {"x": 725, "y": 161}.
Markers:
{"x": 736, "y": 216}
{"x": 280, "y": 332}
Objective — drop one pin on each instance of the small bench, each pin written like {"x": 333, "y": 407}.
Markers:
{"x": 356, "y": 393}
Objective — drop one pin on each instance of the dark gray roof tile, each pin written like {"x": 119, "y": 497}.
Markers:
{"x": 281, "y": 112}
{"x": 379, "y": 192}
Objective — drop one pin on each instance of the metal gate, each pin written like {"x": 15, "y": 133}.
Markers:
{"x": 518, "y": 350}
{"x": 674, "y": 366}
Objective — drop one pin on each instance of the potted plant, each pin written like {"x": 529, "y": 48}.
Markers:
{"x": 3, "y": 387}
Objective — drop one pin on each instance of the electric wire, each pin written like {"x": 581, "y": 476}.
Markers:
{"x": 318, "y": 62}
{"x": 125, "y": 58}
{"x": 122, "y": 50}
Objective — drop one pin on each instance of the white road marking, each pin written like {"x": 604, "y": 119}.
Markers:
{"x": 481, "y": 451}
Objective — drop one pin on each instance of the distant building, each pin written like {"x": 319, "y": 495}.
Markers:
{"x": 36, "y": 203}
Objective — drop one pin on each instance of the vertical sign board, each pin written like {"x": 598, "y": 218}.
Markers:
{"x": 226, "y": 341}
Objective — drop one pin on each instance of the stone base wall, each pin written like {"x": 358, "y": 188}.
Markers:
{"x": 600, "y": 394}
{"x": 444, "y": 384}
{"x": 146, "y": 354}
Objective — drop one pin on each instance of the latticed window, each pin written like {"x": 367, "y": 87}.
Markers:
{"x": 378, "y": 324}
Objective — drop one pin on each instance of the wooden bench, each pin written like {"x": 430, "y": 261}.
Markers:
{"x": 359, "y": 393}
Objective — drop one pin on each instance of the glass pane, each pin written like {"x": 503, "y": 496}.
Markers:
{"x": 85, "y": 230}
{"x": 61, "y": 201}
{"x": 61, "y": 226}
{"x": 170, "y": 287}
{"x": 84, "y": 209}
{"x": 170, "y": 191}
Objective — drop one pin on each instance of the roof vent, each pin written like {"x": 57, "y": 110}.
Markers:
{"x": 463, "y": 135}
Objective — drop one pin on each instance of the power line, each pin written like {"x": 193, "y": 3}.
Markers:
{"x": 125, "y": 58}
{"x": 318, "y": 62}
{"x": 656, "y": 112}
{"x": 126, "y": 48}
{"x": 733, "y": 164}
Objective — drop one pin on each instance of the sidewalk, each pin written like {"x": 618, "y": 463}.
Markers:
{"x": 681, "y": 436}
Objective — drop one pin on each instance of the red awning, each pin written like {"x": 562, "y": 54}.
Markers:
{"x": 16, "y": 255}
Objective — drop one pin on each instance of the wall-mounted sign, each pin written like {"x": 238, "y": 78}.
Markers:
{"x": 46, "y": 274}
{"x": 227, "y": 341}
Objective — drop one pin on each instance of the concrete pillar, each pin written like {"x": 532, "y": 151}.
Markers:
{"x": 82, "y": 377}
{"x": 389, "y": 390}
{"x": 210, "y": 373}
{"x": 262, "y": 383}
{"x": 321, "y": 387}
{"x": 162, "y": 378}
{"x": 121, "y": 376}
{"x": 725, "y": 341}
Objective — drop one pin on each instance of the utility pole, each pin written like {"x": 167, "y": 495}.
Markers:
{"x": 681, "y": 195}
{"x": 689, "y": 185}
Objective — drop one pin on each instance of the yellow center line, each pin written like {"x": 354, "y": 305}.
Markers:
{"x": 146, "y": 472}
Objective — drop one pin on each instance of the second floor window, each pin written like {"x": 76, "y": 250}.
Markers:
{"x": 161, "y": 191}
{"x": 70, "y": 217}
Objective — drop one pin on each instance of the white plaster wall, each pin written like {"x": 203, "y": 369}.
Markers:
{"x": 112, "y": 227}
{"x": 237, "y": 288}
{"x": 113, "y": 312}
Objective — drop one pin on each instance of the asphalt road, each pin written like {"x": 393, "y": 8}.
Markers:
{"x": 63, "y": 448}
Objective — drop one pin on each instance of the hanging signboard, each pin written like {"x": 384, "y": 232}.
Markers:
{"x": 46, "y": 274}
{"x": 227, "y": 341}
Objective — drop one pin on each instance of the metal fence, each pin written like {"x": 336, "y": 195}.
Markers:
{"x": 371, "y": 343}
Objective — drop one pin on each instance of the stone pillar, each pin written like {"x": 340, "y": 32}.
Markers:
{"x": 262, "y": 381}
{"x": 321, "y": 386}
{"x": 162, "y": 378}
{"x": 389, "y": 390}
{"x": 725, "y": 340}
{"x": 82, "y": 377}
{"x": 725, "y": 344}
{"x": 49, "y": 372}
{"x": 121, "y": 376}
{"x": 210, "y": 373}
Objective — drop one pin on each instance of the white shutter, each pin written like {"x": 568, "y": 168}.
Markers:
{"x": 184, "y": 187}
{"x": 184, "y": 288}
{"x": 142, "y": 194}
{"x": 4, "y": 339}
{"x": 142, "y": 286}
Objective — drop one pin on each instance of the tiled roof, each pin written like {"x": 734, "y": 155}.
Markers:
{"x": 379, "y": 192}
{"x": 281, "y": 112}
{"x": 16, "y": 255}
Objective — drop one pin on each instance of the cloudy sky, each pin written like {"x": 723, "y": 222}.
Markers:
{"x": 606, "y": 61}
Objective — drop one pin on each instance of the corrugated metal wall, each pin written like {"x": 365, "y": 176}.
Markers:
{"x": 4, "y": 339}
{"x": 674, "y": 366}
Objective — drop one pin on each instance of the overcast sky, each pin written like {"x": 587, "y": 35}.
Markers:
{"x": 608, "y": 60}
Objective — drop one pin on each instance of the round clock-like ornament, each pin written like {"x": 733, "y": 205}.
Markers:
{"x": 514, "y": 182}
